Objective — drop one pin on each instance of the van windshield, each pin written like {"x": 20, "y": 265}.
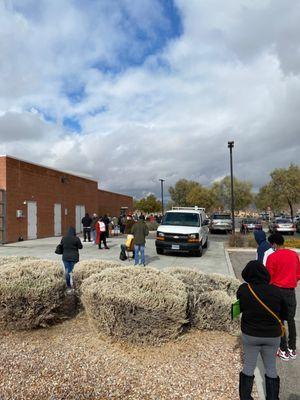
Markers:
{"x": 182, "y": 219}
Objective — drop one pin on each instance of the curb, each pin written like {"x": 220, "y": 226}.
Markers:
{"x": 258, "y": 375}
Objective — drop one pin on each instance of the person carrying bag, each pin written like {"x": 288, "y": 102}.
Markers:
{"x": 263, "y": 308}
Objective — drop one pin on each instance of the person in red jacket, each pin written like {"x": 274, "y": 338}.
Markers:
{"x": 284, "y": 268}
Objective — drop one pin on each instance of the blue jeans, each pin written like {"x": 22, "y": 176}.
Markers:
{"x": 69, "y": 265}
{"x": 94, "y": 233}
{"x": 137, "y": 249}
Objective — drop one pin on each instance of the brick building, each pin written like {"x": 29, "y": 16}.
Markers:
{"x": 39, "y": 202}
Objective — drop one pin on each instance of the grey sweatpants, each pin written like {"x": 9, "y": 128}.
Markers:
{"x": 267, "y": 347}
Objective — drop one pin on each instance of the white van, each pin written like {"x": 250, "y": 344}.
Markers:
{"x": 183, "y": 229}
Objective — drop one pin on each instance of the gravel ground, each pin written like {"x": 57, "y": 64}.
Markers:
{"x": 69, "y": 361}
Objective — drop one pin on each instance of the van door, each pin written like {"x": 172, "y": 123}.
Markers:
{"x": 204, "y": 229}
{"x": 31, "y": 220}
{"x": 57, "y": 219}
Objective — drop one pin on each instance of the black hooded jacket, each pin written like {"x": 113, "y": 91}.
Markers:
{"x": 256, "y": 320}
{"x": 71, "y": 243}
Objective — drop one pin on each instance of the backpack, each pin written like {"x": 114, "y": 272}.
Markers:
{"x": 123, "y": 255}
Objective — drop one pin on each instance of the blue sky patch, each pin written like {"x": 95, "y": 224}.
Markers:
{"x": 144, "y": 41}
{"x": 72, "y": 124}
{"x": 75, "y": 92}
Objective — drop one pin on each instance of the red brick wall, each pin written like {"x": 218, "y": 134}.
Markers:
{"x": 29, "y": 182}
{"x": 110, "y": 203}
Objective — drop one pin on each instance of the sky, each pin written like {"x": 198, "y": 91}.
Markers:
{"x": 131, "y": 91}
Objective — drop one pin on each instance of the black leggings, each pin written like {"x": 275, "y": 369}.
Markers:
{"x": 102, "y": 239}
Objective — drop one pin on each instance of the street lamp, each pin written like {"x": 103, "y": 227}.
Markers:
{"x": 162, "y": 195}
{"x": 230, "y": 146}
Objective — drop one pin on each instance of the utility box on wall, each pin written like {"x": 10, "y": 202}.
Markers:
{"x": 20, "y": 214}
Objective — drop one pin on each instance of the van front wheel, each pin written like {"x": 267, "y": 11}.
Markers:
{"x": 199, "y": 252}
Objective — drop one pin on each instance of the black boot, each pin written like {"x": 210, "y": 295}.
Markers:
{"x": 245, "y": 387}
{"x": 272, "y": 388}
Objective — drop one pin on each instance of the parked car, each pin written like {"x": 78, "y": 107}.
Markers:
{"x": 282, "y": 225}
{"x": 183, "y": 229}
{"x": 250, "y": 225}
{"x": 298, "y": 226}
{"x": 220, "y": 222}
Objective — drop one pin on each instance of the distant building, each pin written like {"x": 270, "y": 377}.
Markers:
{"x": 37, "y": 201}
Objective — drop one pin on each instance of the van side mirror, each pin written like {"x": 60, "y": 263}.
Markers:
{"x": 206, "y": 222}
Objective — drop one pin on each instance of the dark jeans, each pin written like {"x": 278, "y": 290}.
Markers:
{"x": 87, "y": 232}
{"x": 69, "y": 265}
{"x": 289, "y": 296}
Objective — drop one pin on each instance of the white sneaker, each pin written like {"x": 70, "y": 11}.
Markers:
{"x": 292, "y": 354}
{"x": 283, "y": 355}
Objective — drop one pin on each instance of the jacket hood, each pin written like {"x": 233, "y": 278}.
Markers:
{"x": 260, "y": 236}
{"x": 256, "y": 272}
{"x": 71, "y": 231}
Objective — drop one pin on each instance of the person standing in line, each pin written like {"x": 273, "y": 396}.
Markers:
{"x": 93, "y": 227}
{"x": 263, "y": 244}
{"x": 284, "y": 268}
{"x": 106, "y": 221}
{"x": 86, "y": 222}
{"x": 71, "y": 245}
{"x": 101, "y": 233}
{"x": 140, "y": 231}
{"x": 270, "y": 250}
{"x": 129, "y": 224}
{"x": 261, "y": 330}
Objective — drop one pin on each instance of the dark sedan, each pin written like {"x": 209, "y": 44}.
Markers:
{"x": 250, "y": 225}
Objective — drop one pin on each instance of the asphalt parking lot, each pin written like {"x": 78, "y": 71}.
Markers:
{"x": 213, "y": 259}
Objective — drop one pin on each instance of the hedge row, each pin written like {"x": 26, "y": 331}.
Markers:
{"x": 140, "y": 305}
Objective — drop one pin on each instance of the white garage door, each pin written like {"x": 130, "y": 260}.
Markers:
{"x": 57, "y": 219}
{"x": 80, "y": 213}
{"x": 31, "y": 220}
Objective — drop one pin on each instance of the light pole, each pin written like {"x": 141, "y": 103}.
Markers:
{"x": 162, "y": 195}
{"x": 230, "y": 146}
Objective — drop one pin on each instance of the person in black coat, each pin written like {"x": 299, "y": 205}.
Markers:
{"x": 71, "y": 245}
{"x": 261, "y": 331}
{"x": 86, "y": 222}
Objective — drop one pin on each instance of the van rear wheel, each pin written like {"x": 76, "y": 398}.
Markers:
{"x": 159, "y": 251}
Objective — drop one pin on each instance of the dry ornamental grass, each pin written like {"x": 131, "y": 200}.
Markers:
{"x": 201, "y": 286}
{"x": 213, "y": 312}
{"x": 30, "y": 293}
{"x": 136, "y": 304}
{"x": 84, "y": 269}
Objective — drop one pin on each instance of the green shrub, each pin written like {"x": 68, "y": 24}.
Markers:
{"x": 31, "y": 293}
{"x": 140, "y": 305}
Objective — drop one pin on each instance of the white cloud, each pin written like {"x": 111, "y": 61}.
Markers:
{"x": 232, "y": 74}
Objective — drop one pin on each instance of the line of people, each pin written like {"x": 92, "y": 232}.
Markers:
{"x": 267, "y": 299}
